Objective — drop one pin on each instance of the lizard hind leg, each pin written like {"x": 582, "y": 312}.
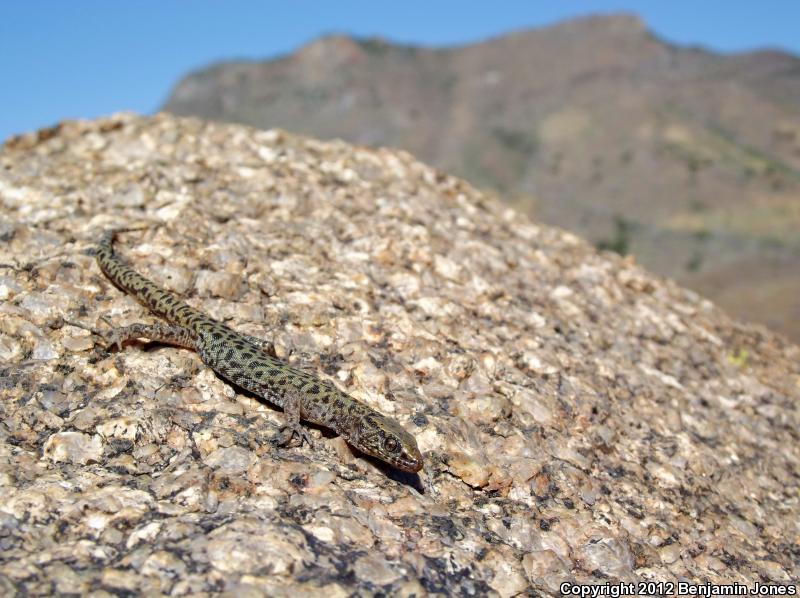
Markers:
{"x": 265, "y": 345}
{"x": 162, "y": 333}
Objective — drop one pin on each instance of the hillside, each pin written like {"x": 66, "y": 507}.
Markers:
{"x": 688, "y": 159}
{"x": 580, "y": 419}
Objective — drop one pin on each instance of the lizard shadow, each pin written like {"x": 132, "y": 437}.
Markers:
{"x": 405, "y": 478}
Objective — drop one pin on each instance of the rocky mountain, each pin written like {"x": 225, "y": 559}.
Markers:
{"x": 581, "y": 420}
{"x": 686, "y": 158}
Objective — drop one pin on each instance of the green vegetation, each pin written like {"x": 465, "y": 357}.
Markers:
{"x": 700, "y": 237}
{"x": 700, "y": 147}
{"x": 697, "y": 206}
{"x": 597, "y": 169}
{"x": 739, "y": 357}
{"x": 753, "y": 160}
{"x": 621, "y": 239}
{"x": 377, "y": 47}
{"x": 772, "y": 223}
{"x": 695, "y": 261}
{"x": 501, "y": 160}
{"x": 515, "y": 140}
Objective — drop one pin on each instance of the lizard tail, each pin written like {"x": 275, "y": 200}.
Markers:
{"x": 161, "y": 302}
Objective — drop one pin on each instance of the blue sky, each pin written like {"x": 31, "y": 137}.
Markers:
{"x": 74, "y": 58}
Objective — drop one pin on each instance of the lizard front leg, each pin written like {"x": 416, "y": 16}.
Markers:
{"x": 292, "y": 427}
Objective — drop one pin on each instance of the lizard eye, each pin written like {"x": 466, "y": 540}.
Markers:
{"x": 391, "y": 444}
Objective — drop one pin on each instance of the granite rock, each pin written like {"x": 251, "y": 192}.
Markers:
{"x": 581, "y": 419}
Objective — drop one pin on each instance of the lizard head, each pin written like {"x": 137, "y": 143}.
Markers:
{"x": 383, "y": 438}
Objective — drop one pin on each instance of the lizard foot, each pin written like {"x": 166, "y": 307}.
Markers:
{"x": 288, "y": 433}
{"x": 110, "y": 337}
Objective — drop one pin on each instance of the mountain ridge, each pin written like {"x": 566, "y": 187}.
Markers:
{"x": 596, "y": 125}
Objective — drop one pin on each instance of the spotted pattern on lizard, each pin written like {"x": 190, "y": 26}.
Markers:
{"x": 240, "y": 359}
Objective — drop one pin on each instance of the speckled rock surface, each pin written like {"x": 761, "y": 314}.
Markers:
{"x": 581, "y": 420}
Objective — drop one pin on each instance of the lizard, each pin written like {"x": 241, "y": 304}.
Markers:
{"x": 242, "y": 360}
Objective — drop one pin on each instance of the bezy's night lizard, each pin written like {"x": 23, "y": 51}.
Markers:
{"x": 240, "y": 359}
